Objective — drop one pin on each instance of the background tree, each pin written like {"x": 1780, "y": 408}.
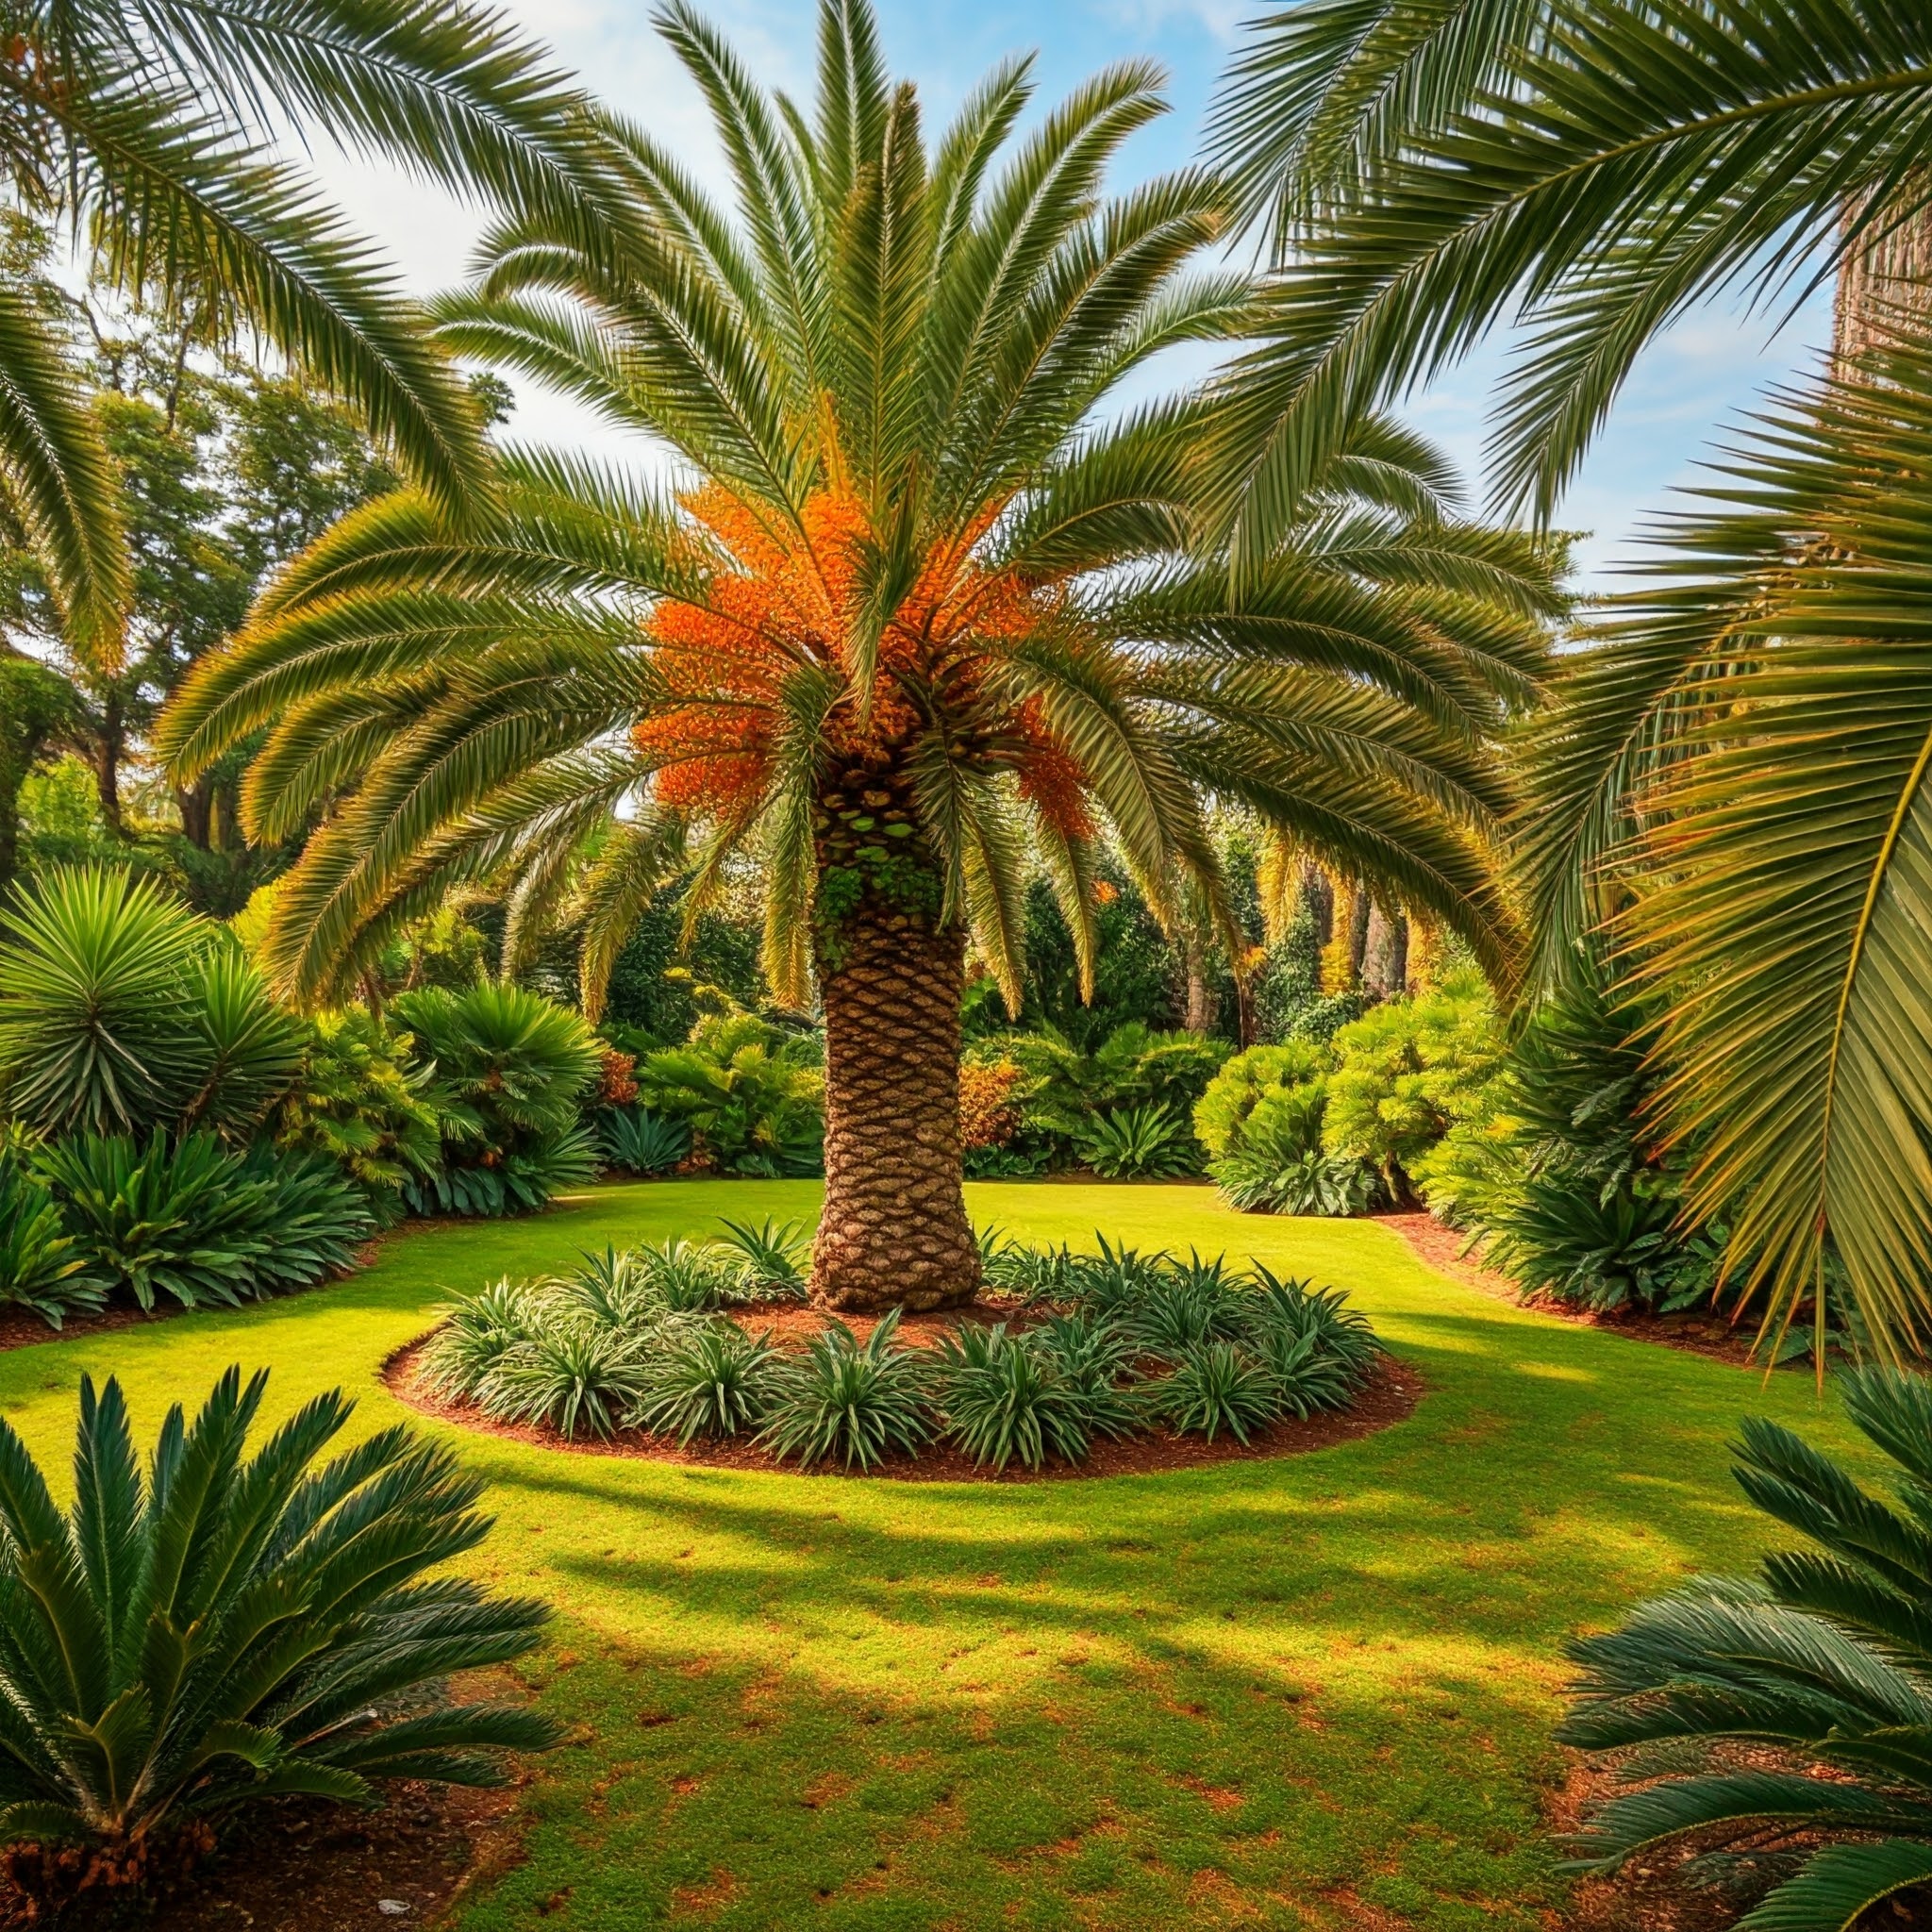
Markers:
{"x": 917, "y": 620}
{"x": 37, "y": 713}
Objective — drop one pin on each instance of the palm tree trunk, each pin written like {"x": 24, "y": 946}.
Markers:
{"x": 1882, "y": 284}
{"x": 895, "y": 1232}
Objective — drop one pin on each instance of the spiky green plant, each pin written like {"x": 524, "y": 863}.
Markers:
{"x": 777, "y": 1255}
{"x": 480, "y": 1330}
{"x": 1820, "y": 1667}
{"x": 1216, "y": 1388}
{"x": 1004, "y": 1398}
{"x": 840, "y": 1400}
{"x": 636, "y": 1141}
{"x": 42, "y": 1266}
{"x": 1095, "y": 1357}
{"x": 1137, "y": 1144}
{"x": 571, "y": 1374}
{"x": 890, "y": 370}
{"x": 1292, "y": 1306}
{"x": 713, "y": 1381}
{"x": 230, "y": 1629}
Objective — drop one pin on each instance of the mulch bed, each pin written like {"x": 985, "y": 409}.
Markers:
{"x": 1388, "y": 1396}
{"x": 1694, "y": 1333}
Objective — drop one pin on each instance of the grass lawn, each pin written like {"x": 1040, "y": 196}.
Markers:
{"x": 1261, "y": 1694}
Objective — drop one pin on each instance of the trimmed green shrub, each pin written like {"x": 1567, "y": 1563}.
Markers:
{"x": 633, "y": 1139}
{"x": 236, "y": 1629}
{"x": 840, "y": 1400}
{"x": 1819, "y": 1667}
{"x": 1249, "y": 1078}
{"x": 41, "y": 1267}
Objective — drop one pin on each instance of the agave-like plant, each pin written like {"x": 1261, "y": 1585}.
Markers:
{"x": 636, "y": 1141}
{"x": 228, "y": 1628}
{"x": 1137, "y": 1144}
{"x": 852, "y": 1402}
{"x": 42, "y": 1265}
{"x": 714, "y": 1381}
{"x": 1822, "y": 1663}
{"x": 1006, "y": 1399}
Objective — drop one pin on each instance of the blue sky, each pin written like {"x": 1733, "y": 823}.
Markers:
{"x": 1708, "y": 372}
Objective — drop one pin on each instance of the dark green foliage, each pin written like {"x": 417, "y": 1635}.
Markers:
{"x": 1007, "y": 1398}
{"x": 749, "y": 1092}
{"x": 1066, "y": 1088}
{"x": 1292, "y": 1307}
{"x": 509, "y": 1069}
{"x": 1216, "y": 1388}
{"x": 1137, "y": 1144}
{"x": 1095, "y": 1359}
{"x": 37, "y": 709}
{"x": 842, "y": 1401}
{"x": 1136, "y": 979}
{"x": 1822, "y": 1665}
{"x": 230, "y": 1629}
{"x": 1175, "y": 1312}
{"x": 41, "y": 1267}
{"x": 192, "y": 1220}
{"x": 572, "y": 1376}
{"x": 636, "y": 1141}
{"x": 713, "y": 1381}
{"x": 661, "y": 986}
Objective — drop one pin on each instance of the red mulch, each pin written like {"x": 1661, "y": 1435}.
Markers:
{"x": 1695, "y": 1333}
{"x": 1388, "y": 1396}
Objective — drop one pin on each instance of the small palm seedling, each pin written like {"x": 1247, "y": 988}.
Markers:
{"x": 842, "y": 1401}
{"x": 715, "y": 1381}
{"x": 1822, "y": 1660}
{"x": 1004, "y": 1399}
{"x": 1136, "y": 1143}
{"x": 1216, "y": 1388}
{"x": 776, "y": 1256}
{"x": 233, "y": 1630}
{"x": 572, "y": 1376}
{"x": 480, "y": 1332}
{"x": 41, "y": 1266}
{"x": 636, "y": 1141}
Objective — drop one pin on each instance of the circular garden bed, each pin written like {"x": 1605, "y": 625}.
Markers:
{"x": 1109, "y": 1364}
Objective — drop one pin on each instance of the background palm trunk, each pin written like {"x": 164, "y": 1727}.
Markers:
{"x": 895, "y": 1232}
{"x": 1881, "y": 287}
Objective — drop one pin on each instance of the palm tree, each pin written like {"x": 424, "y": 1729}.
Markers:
{"x": 147, "y": 127}
{"x": 1588, "y": 168}
{"x": 918, "y": 618}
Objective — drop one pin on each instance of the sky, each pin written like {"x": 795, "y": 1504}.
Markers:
{"x": 1705, "y": 375}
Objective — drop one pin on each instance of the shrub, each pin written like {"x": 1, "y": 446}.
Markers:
{"x": 239, "y": 1629}
{"x": 572, "y": 1375}
{"x": 1004, "y": 1398}
{"x": 988, "y": 1105}
{"x": 1216, "y": 1388}
{"x": 751, "y": 1095}
{"x": 192, "y": 1219}
{"x": 1094, "y": 1358}
{"x": 1063, "y": 1087}
{"x": 1292, "y": 1308}
{"x": 480, "y": 1332}
{"x": 41, "y": 1267}
{"x": 690, "y": 1277}
{"x": 1136, "y": 1142}
{"x": 1405, "y": 1073}
{"x": 1173, "y": 1313}
{"x": 715, "y": 1381}
{"x": 840, "y": 1400}
{"x": 360, "y": 1100}
{"x": 1818, "y": 1665}
{"x": 509, "y": 1068}
{"x": 248, "y": 1051}
{"x": 635, "y": 1140}
{"x": 1222, "y": 1113}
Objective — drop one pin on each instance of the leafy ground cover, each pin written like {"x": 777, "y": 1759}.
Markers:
{"x": 1312, "y": 1691}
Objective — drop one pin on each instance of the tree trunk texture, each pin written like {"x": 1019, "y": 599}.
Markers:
{"x": 1881, "y": 285}
{"x": 1385, "y": 953}
{"x": 895, "y": 1232}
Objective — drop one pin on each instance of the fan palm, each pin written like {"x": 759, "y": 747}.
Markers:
{"x": 148, "y": 127}
{"x": 1589, "y": 167}
{"x": 917, "y": 621}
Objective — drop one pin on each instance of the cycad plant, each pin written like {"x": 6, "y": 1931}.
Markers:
{"x": 919, "y": 615}
{"x": 1805, "y": 1694}
{"x": 151, "y": 132}
{"x": 224, "y": 1628}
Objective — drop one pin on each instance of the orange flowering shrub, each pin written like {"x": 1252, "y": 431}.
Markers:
{"x": 617, "y": 1078}
{"x": 989, "y": 1110}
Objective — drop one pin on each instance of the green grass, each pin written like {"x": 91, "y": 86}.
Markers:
{"x": 1265, "y": 1693}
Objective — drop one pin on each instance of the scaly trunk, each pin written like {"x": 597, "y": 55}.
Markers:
{"x": 1883, "y": 285}
{"x": 895, "y": 1232}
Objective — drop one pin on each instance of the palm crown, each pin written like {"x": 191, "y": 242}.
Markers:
{"x": 148, "y": 126}
{"x": 919, "y": 620}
